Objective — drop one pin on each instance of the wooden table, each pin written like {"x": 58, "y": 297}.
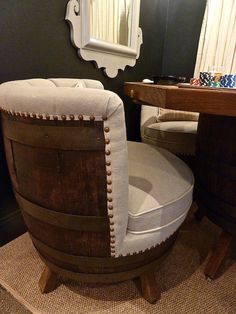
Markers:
{"x": 215, "y": 172}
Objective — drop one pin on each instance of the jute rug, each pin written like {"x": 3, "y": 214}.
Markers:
{"x": 184, "y": 287}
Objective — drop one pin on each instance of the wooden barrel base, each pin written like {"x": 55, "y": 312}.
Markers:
{"x": 103, "y": 269}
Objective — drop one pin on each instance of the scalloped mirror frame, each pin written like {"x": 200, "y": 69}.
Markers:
{"x": 111, "y": 57}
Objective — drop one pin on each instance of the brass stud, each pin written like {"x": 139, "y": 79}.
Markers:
{"x": 108, "y": 152}
{"x": 28, "y": 115}
{"x": 40, "y": 116}
{"x": 106, "y": 129}
{"x": 112, "y": 236}
{"x": 113, "y": 241}
{"x": 112, "y": 229}
{"x": 47, "y": 117}
{"x": 92, "y": 118}
{"x": 109, "y": 190}
{"x": 109, "y": 172}
{"x": 107, "y": 141}
{"x": 111, "y": 216}
{"x": 108, "y": 163}
{"x": 109, "y": 182}
{"x": 104, "y": 118}
{"x": 63, "y": 117}
{"x": 113, "y": 247}
{"x": 34, "y": 115}
{"x": 112, "y": 223}
{"x": 110, "y": 207}
{"x": 18, "y": 114}
{"x": 109, "y": 199}
{"x": 72, "y": 117}
{"x": 81, "y": 117}
{"x": 55, "y": 118}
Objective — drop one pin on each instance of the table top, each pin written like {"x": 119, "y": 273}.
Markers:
{"x": 204, "y": 100}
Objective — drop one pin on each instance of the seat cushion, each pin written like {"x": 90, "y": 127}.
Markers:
{"x": 160, "y": 195}
{"x": 179, "y": 137}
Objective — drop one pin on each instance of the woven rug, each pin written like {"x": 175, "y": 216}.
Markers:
{"x": 184, "y": 287}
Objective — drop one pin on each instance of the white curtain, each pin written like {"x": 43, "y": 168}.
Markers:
{"x": 217, "y": 44}
{"x": 110, "y": 20}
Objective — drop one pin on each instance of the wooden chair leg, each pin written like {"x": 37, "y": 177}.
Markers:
{"x": 48, "y": 280}
{"x": 218, "y": 255}
{"x": 149, "y": 288}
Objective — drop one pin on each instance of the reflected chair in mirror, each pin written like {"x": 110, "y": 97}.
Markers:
{"x": 98, "y": 209}
{"x": 170, "y": 129}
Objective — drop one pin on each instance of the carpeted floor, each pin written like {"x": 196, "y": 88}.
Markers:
{"x": 184, "y": 287}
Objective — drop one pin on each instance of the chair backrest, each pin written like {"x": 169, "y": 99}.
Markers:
{"x": 67, "y": 155}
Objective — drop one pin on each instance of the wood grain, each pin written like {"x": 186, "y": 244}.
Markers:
{"x": 217, "y": 102}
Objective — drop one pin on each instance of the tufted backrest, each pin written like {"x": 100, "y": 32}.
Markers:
{"x": 65, "y": 116}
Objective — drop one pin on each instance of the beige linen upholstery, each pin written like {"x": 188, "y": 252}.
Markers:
{"x": 170, "y": 129}
{"x": 150, "y": 209}
{"x": 172, "y": 115}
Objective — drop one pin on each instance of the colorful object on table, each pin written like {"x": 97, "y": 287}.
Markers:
{"x": 195, "y": 81}
{"x": 205, "y": 78}
{"x": 215, "y": 79}
{"x": 228, "y": 80}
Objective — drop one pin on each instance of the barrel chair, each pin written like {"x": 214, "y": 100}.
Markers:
{"x": 97, "y": 209}
{"x": 170, "y": 129}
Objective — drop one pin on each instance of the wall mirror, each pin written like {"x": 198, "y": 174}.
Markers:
{"x": 106, "y": 31}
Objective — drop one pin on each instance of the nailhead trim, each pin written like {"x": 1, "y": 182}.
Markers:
{"x": 46, "y": 116}
{"x": 110, "y": 207}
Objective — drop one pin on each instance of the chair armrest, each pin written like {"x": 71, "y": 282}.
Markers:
{"x": 148, "y": 116}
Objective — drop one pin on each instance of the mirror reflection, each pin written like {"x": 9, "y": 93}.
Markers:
{"x": 111, "y": 20}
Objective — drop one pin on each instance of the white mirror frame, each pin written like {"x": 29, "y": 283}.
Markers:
{"x": 111, "y": 57}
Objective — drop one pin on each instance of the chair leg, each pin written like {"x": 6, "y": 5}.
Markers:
{"x": 48, "y": 280}
{"x": 149, "y": 288}
{"x": 218, "y": 256}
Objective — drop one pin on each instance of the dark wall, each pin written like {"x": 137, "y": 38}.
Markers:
{"x": 35, "y": 42}
{"x": 184, "y": 23}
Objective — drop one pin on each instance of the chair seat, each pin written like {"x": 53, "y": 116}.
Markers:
{"x": 177, "y": 136}
{"x": 160, "y": 195}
